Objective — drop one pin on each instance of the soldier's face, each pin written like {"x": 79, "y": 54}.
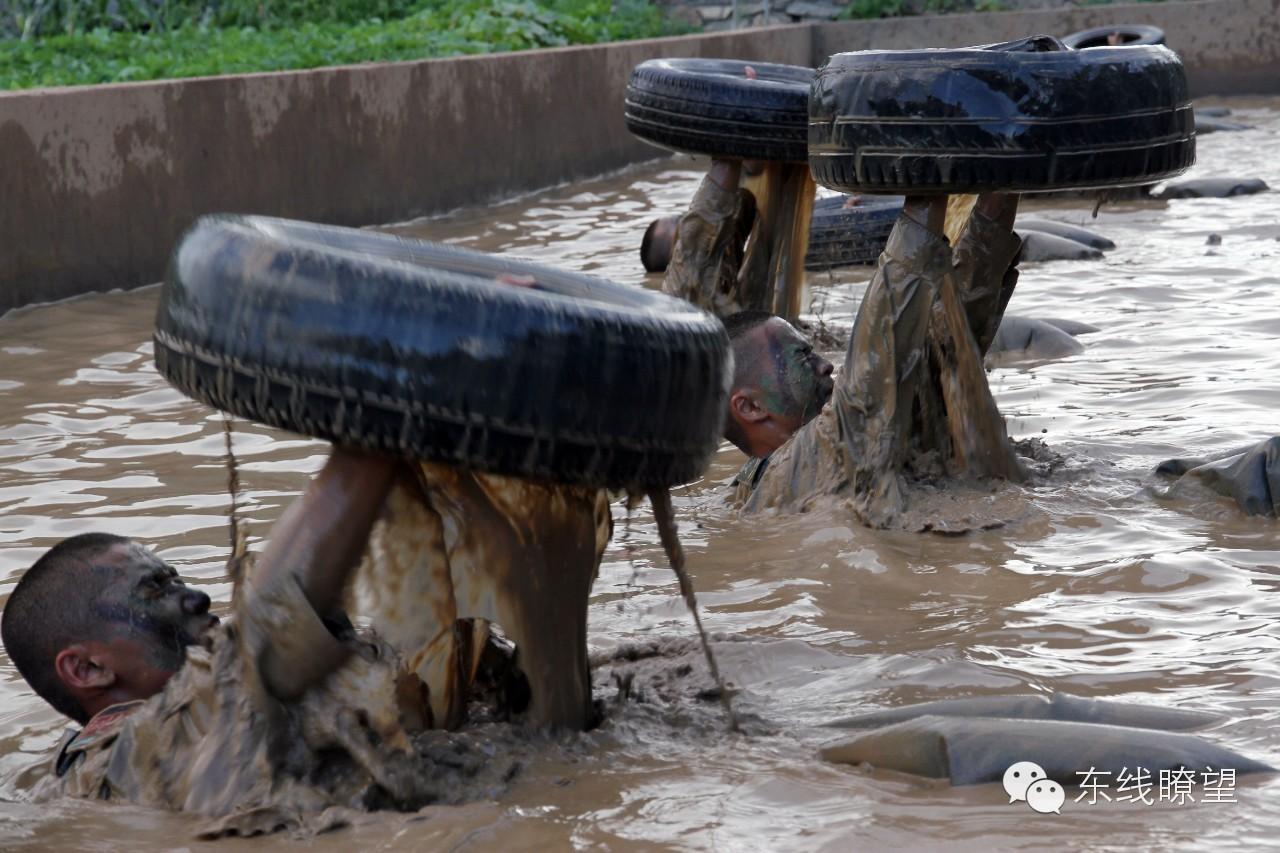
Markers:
{"x": 148, "y": 605}
{"x": 797, "y": 381}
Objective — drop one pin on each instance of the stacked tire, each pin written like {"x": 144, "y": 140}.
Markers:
{"x": 714, "y": 107}
{"x": 842, "y": 236}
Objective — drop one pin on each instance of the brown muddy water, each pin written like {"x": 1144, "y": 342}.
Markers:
{"x": 1102, "y": 590}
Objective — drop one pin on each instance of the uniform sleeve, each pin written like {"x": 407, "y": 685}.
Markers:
{"x": 857, "y": 443}
{"x": 698, "y": 260}
{"x": 284, "y": 642}
{"x": 985, "y": 275}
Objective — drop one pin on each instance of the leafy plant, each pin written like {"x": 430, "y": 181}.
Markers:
{"x": 239, "y": 35}
{"x": 875, "y": 9}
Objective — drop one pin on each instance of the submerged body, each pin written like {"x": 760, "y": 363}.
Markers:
{"x": 284, "y": 710}
{"x": 215, "y": 742}
{"x": 1028, "y": 339}
{"x": 903, "y": 388}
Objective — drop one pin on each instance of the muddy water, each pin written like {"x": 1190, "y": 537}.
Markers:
{"x": 1103, "y": 590}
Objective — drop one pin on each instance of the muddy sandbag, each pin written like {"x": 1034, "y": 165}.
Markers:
{"x": 975, "y": 750}
{"x": 1032, "y": 706}
{"x": 1250, "y": 476}
{"x": 1211, "y": 188}
{"x": 1213, "y": 124}
{"x": 1039, "y": 246}
{"x": 1026, "y": 338}
{"x": 1071, "y": 327}
{"x": 1066, "y": 230}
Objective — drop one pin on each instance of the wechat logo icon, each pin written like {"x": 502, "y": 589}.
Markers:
{"x": 1026, "y": 781}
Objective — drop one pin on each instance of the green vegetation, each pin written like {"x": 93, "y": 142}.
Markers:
{"x": 876, "y": 9}
{"x": 903, "y": 8}
{"x": 65, "y": 42}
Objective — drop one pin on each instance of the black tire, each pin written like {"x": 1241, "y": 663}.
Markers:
{"x": 978, "y": 120}
{"x": 412, "y": 348}
{"x": 709, "y": 106}
{"x": 844, "y": 236}
{"x": 1129, "y": 34}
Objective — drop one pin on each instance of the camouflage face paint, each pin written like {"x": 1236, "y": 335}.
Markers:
{"x": 798, "y": 383}
{"x": 145, "y": 601}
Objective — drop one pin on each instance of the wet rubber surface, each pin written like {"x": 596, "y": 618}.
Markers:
{"x": 974, "y": 120}
{"x": 409, "y": 347}
{"x": 1102, "y": 591}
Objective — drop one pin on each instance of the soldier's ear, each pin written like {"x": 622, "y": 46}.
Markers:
{"x": 79, "y": 668}
{"x": 744, "y": 407}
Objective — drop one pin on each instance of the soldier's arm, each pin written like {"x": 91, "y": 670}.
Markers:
{"x": 300, "y": 576}
{"x": 885, "y": 359}
{"x": 984, "y": 270}
{"x": 702, "y": 236}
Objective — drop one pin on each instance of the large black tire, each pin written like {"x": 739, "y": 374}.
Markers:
{"x": 413, "y": 348}
{"x": 843, "y": 236}
{"x": 709, "y": 106}
{"x": 978, "y": 119}
{"x": 1127, "y": 33}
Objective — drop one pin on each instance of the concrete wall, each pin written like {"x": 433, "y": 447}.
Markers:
{"x": 96, "y": 183}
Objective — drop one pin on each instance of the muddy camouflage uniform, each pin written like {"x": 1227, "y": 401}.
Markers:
{"x": 451, "y": 545}
{"x": 711, "y": 265}
{"x": 857, "y": 446}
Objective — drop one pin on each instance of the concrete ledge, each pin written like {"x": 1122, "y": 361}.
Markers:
{"x": 98, "y": 182}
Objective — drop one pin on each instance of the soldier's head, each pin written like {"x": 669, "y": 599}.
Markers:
{"x": 99, "y": 619}
{"x": 779, "y": 382}
{"x": 658, "y": 243}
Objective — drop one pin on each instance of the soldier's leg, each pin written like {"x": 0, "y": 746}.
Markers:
{"x": 404, "y": 587}
{"x": 524, "y": 555}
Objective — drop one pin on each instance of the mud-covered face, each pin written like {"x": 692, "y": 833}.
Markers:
{"x": 147, "y": 605}
{"x": 795, "y": 381}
